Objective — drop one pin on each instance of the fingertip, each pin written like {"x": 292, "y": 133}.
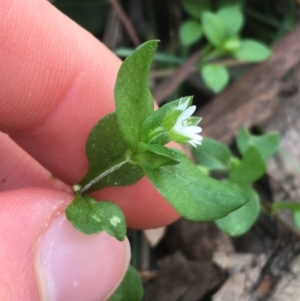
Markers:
{"x": 142, "y": 204}
{"x": 42, "y": 257}
{"x": 76, "y": 266}
{"x": 63, "y": 81}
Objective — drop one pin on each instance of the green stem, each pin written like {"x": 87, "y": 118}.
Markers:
{"x": 208, "y": 54}
{"x": 104, "y": 174}
{"x": 205, "y": 52}
{"x": 154, "y": 134}
{"x": 287, "y": 226}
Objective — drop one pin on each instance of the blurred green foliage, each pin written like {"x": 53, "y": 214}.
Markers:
{"x": 221, "y": 26}
{"x": 237, "y": 29}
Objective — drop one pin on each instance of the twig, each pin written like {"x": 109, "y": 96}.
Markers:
{"x": 228, "y": 62}
{"x": 170, "y": 84}
{"x": 126, "y": 22}
{"x": 112, "y": 30}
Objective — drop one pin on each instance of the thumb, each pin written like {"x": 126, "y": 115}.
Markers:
{"x": 43, "y": 258}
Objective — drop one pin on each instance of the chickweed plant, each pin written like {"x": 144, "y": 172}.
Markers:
{"x": 131, "y": 143}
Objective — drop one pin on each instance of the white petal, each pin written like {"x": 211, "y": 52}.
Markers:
{"x": 194, "y": 129}
{"x": 195, "y": 143}
{"x": 185, "y": 115}
{"x": 196, "y": 138}
{"x": 190, "y": 111}
{"x": 185, "y": 132}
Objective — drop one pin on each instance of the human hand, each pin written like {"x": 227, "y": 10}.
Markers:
{"x": 56, "y": 83}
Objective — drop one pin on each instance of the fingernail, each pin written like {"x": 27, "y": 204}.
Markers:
{"x": 74, "y": 266}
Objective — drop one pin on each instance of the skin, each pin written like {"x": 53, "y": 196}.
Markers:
{"x": 57, "y": 81}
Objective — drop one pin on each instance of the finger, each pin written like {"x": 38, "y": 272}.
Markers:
{"x": 19, "y": 170}
{"x": 42, "y": 257}
{"x": 62, "y": 85}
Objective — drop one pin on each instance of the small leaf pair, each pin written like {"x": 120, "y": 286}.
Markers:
{"x": 222, "y": 31}
{"x": 255, "y": 151}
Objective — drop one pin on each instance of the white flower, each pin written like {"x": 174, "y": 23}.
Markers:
{"x": 185, "y": 129}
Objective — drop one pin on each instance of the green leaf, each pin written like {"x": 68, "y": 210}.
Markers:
{"x": 216, "y": 77}
{"x": 232, "y": 17}
{"x": 152, "y": 129}
{"x": 109, "y": 158}
{"x": 251, "y": 168}
{"x": 297, "y": 219}
{"x": 195, "y": 8}
{"x": 190, "y": 32}
{"x": 131, "y": 287}
{"x": 213, "y": 155}
{"x": 241, "y": 220}
{"x": 90, "y": 216}
{"x": 266, "y": 144}
{"x": 252, "y": 51}
{"x": 213, "y": 28}
{"x": 156, "y": 155}
{"x": 134, "y": 101}
{"x": 192, "y": 193}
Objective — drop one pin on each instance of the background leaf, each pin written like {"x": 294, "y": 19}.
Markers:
{"x": 213, "y": 155}
{"x": 251, "y": 168}
{"x": 106, "y": 148}
{"x": 241, "y": 220}
{"x": 195, "y": 8}
{"x": 190, "y": 32}
{"x": 90, "y": 216}
{"x": 232, "y": 17}
{"x": 216, "y": 77}
{"x": 131, "y": 287}
{"x": 213, "y": 28}
{"x": 133, "y": 99}
{"x": 266, "y": 144}
{"x": 252, "y": 51}
{"x": 192, "y": 193}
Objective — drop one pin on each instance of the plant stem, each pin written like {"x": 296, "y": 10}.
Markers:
{"x": 283, "y": 223}
{"x": 102, "y": 175}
